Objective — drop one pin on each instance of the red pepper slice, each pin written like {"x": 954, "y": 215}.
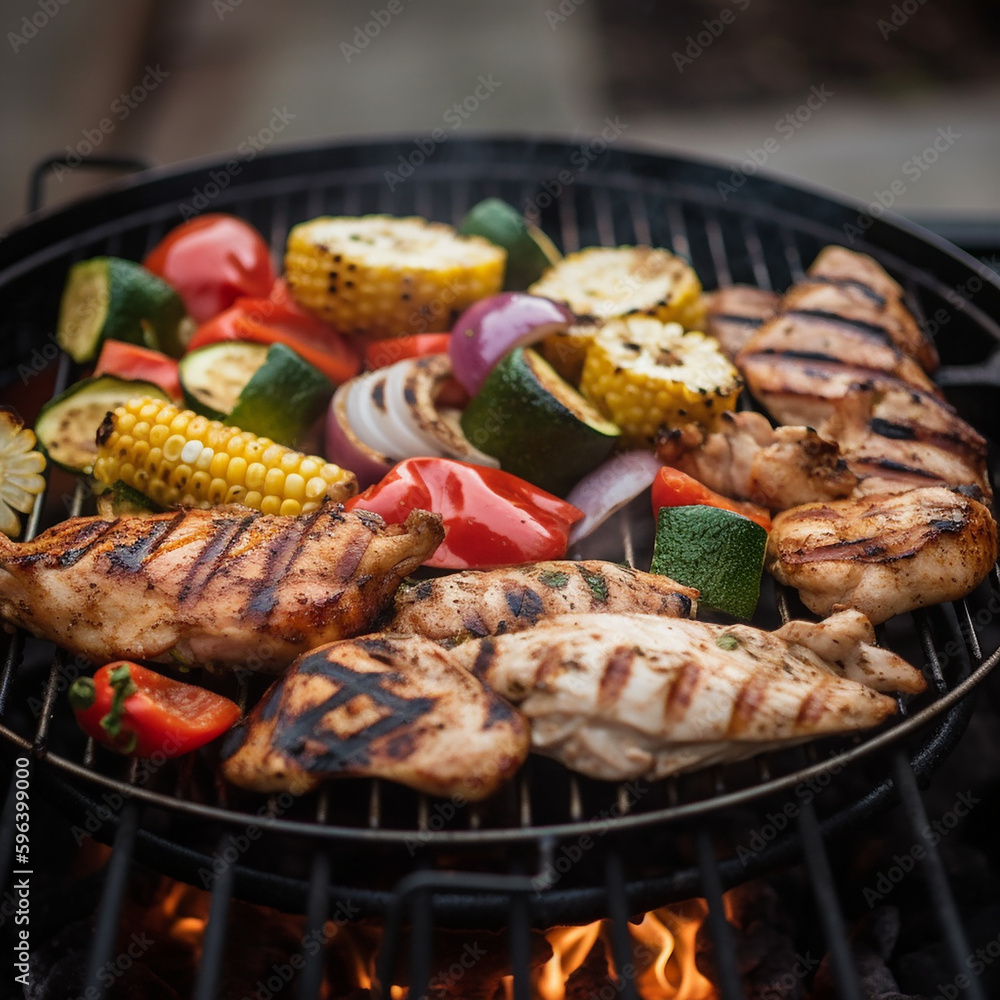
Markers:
{"x": 130, "y": 361}
{"x": 389, "y": 350}
{"x": 491, "y": 518}
{"x": 139, "y": 712}
{"x": 213, "y": 260}
{"x": 279, "y": 320}
{"x": 673, "y": 488}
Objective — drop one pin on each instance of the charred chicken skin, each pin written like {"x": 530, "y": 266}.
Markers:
{"x": 736, "y": 313}
{"x": 383, "y": 706}
{"x": 476, "y": 603}
{"x": 883, "y": 554}
{"x": 225, "y": 587}
{"x": 748, "y": 459}
{"x": 627, "y": 696}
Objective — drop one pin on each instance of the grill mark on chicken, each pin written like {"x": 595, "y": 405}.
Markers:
{"x": 132, "y": 557}
{"x": 973, "y": 448}
{"x": 280, "y": 559}
{"x": 824, "y": 316}
{"x": 813, "y": 706}
{"x": 741, "y": 320}
{"x": 899, "y": 469}
{"x": 71, "y": 555}
{"x": 212, "y": 555}
{"x": 748, "y": 701}
{"x": 474, "y": 624}
{"x": 682, "y": 689}
{"x": 866, "y": 290}
{"x": 484, "y": 657}
{"x": 316, "y": 749}
{"x": 616, "y": 675}
{"x": 874, "y": 550}
{"x": 886, "y": 428}
{"x": 525, "y": 603}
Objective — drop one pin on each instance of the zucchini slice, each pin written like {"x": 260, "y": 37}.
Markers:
{"x": 529, "y": 251}
{"x": 67, "y": 425}
{"x": 270, "y": 391}
{"x": 109, "y": 297}
{"x": 537, "y": 425}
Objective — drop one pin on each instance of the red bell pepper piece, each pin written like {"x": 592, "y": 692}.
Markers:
{"x": 673, "y": 488}
{"x": 279, "y": 320}
{"x": 130, "y": 361}
{"x": 211, "y": 261}
{"x": 139, "y": 712}
{"x": 389, "y": 350}
{"x": 491, "y": 518}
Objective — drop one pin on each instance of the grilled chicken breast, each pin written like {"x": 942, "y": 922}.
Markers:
{"x": 736, "y": 313}
{"x": 473, "y": 603}
{"x": 844, "y": 355}
{"x": 224, "y": 587}
{"x": 883, "y": 554}
{"x": 394, "y": 707}
{"x": 748, "y": 459}
{"x": 628, "y": 696}
{"x": 902, "y": 439}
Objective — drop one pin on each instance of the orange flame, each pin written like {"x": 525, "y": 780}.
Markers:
{"x": 664, "y": 946}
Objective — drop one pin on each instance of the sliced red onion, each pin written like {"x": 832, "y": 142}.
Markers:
{"x": 400, "y": 419}
{"x": 609, "y": 487}
{"x": 491, "y": 328}
{"x": 345, "y": 448}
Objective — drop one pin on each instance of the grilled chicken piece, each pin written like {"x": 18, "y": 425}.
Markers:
{"x": 857, "y": 287}
{"x": 479, "y": 603}
{"x": 223, "y": 587}
{"x": 896, "y": 440}
{"x": 748, "y": 459}
{"x": 628, "y": 696}
{"x": 381, "y": 706}
{"x": 736, "y": 313}
{"x": 883, "y": 554}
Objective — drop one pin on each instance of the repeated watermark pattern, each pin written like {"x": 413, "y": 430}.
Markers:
{"x": 580, "y": 159}
{"x": 902, "y": 864}
{"x": 899, "y": 14}
{"x": 39, "y": 20}
{"x": 912, "y": 169}
{"x": 787, "y": 126}
{"x": 219, "y": 180}
{"x": 454, "y": 117}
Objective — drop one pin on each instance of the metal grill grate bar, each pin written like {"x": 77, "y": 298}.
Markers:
{"x": 110, "y": 908}
{"x": 727, "y": 971}
{"x": 311, "y": 983}
{"x": 935, "y": 876}
{"x": 206, "y": 986}
{"x": 828, "y": 905}
{"x": 614, "y": 880}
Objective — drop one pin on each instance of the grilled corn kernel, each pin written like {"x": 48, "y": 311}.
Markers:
{"x": 645, "y": 375}
{"x": 381, "y": 276}
{"x": 599, "y": 283}
{"x": 202, "y": 463}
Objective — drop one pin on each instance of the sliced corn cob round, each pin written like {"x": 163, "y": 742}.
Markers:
{"x": 381, "y": 276}
{"x": 566, "y": 350}
{"x": 599, "y": 283}
{"x": 20, "y": 472}
{"x": 175, "y": 456}
{"x": 644, "y": 375}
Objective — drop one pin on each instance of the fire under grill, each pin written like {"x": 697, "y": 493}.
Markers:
{"x": 552, "y": 847}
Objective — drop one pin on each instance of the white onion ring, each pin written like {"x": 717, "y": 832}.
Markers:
{"x": 609, "y": 487}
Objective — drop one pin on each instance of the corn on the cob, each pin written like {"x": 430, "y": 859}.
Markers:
{"x": 566, "y": 350}
{"x": 381, "y": 276}
{"x": 645, "y": 375}
{"x": 599, "y": 283}
{"x": 175, "y": 456}
{"x": 20, "y": 472}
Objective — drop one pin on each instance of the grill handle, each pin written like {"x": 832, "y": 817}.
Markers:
{"x": 41, "y": 170}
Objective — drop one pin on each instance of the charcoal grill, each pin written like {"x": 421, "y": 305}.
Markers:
{"x": 400, "y": 855}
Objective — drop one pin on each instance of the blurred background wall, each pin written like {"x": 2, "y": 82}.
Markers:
{"x": 849, "y": 94}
